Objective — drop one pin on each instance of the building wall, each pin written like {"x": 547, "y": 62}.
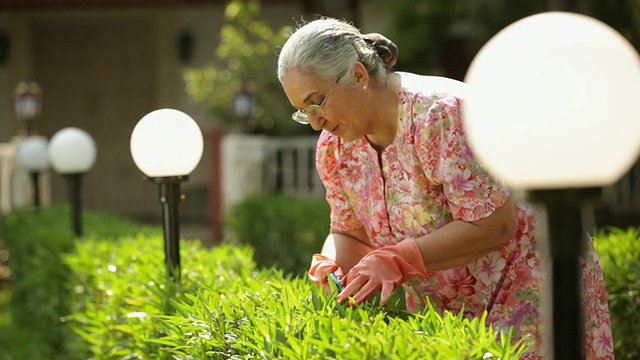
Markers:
{"x": 102, "y": 69}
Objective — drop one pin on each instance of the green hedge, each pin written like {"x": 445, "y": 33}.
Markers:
{"x": 114, "y": 302}
{"x": 619, "y": 252}
{"x": 35, "y": 241}
{"x": 284, "y": 231}
{"x": 271, "y": 223}
{"x": 226, "y": 308}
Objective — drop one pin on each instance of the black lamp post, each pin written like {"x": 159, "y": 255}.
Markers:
{"x": 167, "y": 145}
{"x": 32, "y": 155}
{"x": 564, "y": 237}
{"x": 569, "y": 126}
{"x": 170, "y": 196}
{"x": 72, "y": 152}
{"x": 185, "y": 46}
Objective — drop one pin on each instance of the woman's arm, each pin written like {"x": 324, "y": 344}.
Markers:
{"x": 455, "y": 244}
{"x": 460, "y": 243}
{"x": 346, "y": 248}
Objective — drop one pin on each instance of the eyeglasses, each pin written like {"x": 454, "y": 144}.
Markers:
{"x": 302, "y": 116}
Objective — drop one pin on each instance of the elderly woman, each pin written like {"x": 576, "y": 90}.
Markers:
{"x": 410, "y": 205}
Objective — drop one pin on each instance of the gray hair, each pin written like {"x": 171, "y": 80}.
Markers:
{"x": 329, "y": 48}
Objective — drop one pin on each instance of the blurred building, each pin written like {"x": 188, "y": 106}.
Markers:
{"x": 103, "y": 64}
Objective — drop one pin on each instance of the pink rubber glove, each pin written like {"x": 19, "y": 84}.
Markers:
{"x": 321, "y": 266}
{"x": 384, "y": 269}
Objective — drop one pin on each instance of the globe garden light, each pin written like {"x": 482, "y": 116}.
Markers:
{"x": 72, "y": 150}
{"x": 32, "y": 155}
{"x": 72, "y": 153}
{"x": 553, "y": 109}
{"x": 28, "y": 103}
{"x": 554, "y": 101}
{"x": 166, "y": 145}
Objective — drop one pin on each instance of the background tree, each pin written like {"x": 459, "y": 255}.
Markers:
{"x": 244, "y": 61}
{"x": 623, "y": 15}
{"x": 441, "y": 37}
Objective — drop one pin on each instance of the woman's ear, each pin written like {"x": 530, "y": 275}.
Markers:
{"x": 361, "y": 75}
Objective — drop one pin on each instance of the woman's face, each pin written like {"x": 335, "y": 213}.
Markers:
{"x": 304, "y": 89}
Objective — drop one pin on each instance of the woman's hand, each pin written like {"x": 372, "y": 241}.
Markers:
{"x": 321, "y": 267}
{"x": 340, "y": 252}
{"x": 384, "y": 269}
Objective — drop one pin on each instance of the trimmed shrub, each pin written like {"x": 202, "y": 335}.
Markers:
{"x": 121, "y": 294}
{"x": 36, "y": 241}
{"x": 121, "y": 305}
{"x": 226, "y": 308}
{"x": 619, "y": 251}
{"x": 284, "y": 231}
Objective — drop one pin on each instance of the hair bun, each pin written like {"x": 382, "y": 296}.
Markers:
{"x": 385, "y": 48}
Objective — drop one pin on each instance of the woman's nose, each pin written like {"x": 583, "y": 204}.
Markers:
{"x": 316, "y": 122}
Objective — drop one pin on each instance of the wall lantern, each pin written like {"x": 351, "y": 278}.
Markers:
{"x": 243, "y": 104}
{"x": 28, "y": 104}
{"x": 167, "y": 145}
{"x": 72, "y": 153}
{"x": 5, "y": 47}
{"x": 553, "y": 110}
{"x": 32, "y": 154}
{"x": 185, "y": 45}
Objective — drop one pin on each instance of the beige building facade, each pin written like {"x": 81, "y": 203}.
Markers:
{"x": 103, "y": 65}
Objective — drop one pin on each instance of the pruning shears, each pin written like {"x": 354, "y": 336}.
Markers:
{"x": 336, "y": 281}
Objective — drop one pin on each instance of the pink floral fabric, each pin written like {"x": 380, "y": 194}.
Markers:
{"x": 429, "y": 177}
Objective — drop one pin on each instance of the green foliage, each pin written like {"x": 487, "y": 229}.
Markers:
{"x": 292, "y": 320}
{"x": 122, "y": 296}
{"x": 284, "y": 231}
{"x": 449, "y": 33}
{"x": 420, "y": 28}
{"x": 123, "y": 307}
{"x": 244, "y": 60}
{"x": 36, "y": 241}
{"x": 622, "y": 15}
{"x": 226, "y": 309}
{"x": 442, "y": 36}
{"x": 619, "y": 251}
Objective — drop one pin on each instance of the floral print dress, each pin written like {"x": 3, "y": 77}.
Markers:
{"x": 429, "y": 177}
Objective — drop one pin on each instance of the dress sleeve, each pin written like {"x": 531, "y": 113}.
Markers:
{"x": 343, "y": 217}
{"x": 446, "y": 159}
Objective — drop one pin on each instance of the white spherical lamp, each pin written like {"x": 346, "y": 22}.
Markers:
{"x": 553, "y": 108}
{"x": 72, "y": 153}
{"x": 32, "y": 153}
{"x": 72, "y": 150}
{"x": 554, "y": 102}
{"x": 167, "y": 145}
{"x": 166, "y": 142}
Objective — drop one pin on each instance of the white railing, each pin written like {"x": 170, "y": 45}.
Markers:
{"x": 257, "y": 164}
{"x": 289, "y": 166}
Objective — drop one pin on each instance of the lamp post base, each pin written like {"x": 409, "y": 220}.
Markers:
{"x": 35, "y": 182}
{"x": 170, "y": 196}
{"x": 564, "y": 242}
{"x": 74, "y": 181}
